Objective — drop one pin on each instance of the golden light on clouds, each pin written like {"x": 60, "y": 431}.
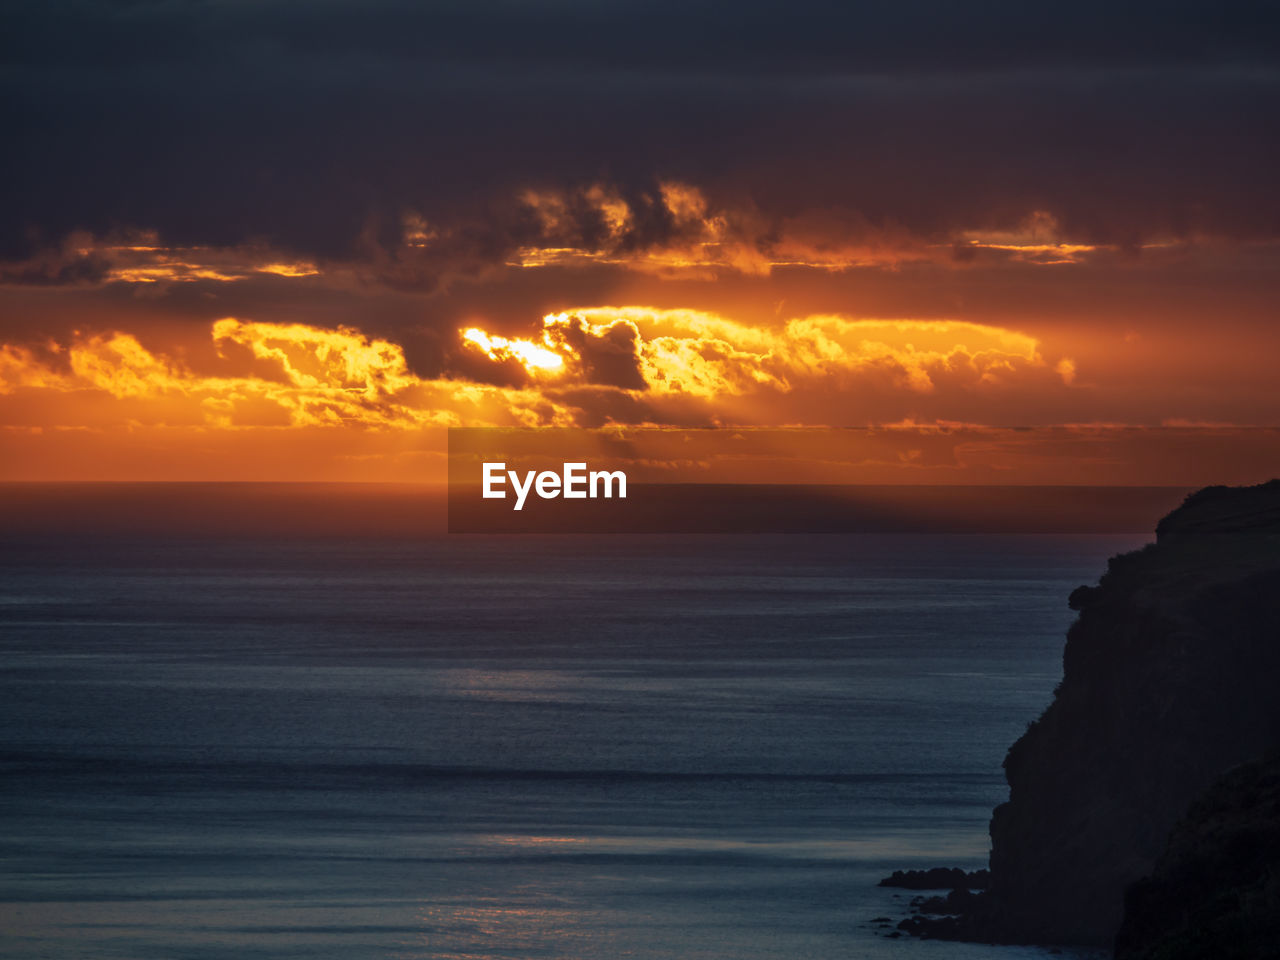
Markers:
{"x": 703, "y": 354}
{"x": 533, "y": 357}
{"x": 695, "y": 237}
{"x": 140, "y": 257}
{"x": 152, "y": 263}
{"x": 275, "y": 375}
{"x": 659, "y": 361}
{"x": 593, "y": 366}
{"x": 1037, "y": 240}
{"x": 296, "y": 401}
{"x": 316, "y": 359}
{"x": 298, "y": 268}
{"x": 674, "y": 230}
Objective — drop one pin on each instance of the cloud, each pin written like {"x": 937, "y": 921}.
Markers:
{"x": 669, "y": 229}
{"x": 674, "y": 230}
{"x": 275, "y": 374}
{"x": 684, "y": 366}
{"x": 1124, "y": 125}
{"x": 708, "y": 355}
{"x": 140, "y": 257}
{"x": 337, "y": 403}
{"x": 593, "y": 365}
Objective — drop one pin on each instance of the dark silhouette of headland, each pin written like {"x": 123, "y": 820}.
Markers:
{"x": 1145, "y": 801}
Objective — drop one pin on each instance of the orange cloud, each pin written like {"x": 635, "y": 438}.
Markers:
{"x": 141, "y": 258}
{"x": 592, "y": 365}
{"x": 534, "y": 357}
{"x": 308, "y": 376}
{"x": 678, "y": 232}
{"x": 704, "y": 356}
{"x": 297, "y": 401}
{"x": 673, "y": 230}
{"x": 1038, "y": 240}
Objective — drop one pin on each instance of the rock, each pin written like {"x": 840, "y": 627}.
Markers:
{"x": 1215, "y": 891}
{"x": 937, "y": 878}
{"x": 932, "y": 928}
{"x": 958, "y": 901}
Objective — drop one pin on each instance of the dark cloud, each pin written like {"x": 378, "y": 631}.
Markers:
{"x": 75, "y": 261}
{"x": 315, "y": 127}
{"x": 683, "y": 36}
{"x": 609, "y": 355}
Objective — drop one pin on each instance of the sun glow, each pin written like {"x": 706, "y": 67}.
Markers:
{"x": 534, "y": 357}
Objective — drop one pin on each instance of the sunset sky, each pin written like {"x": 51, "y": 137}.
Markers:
{"x": 280, "y": 241}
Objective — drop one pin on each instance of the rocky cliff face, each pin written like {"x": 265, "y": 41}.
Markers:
{"x": 1215, "y": 891}
{"x": 1171, "y": 677}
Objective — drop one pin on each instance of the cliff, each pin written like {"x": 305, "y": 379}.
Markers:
{"x": 1215, "y": 892}
{"x": 1169, "y": 679}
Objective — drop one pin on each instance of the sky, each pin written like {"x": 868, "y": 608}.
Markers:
{"x": 299, "y": 241}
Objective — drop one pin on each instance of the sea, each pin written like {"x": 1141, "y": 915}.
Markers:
{"x": 705, "y": 747}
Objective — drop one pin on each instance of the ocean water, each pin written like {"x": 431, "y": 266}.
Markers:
{"x": 510, "y": 747}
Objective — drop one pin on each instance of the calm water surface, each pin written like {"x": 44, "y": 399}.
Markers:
{"x": 561, "y": 747}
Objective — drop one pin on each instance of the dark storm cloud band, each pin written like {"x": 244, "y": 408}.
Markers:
{"x": 317, "y": 127}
